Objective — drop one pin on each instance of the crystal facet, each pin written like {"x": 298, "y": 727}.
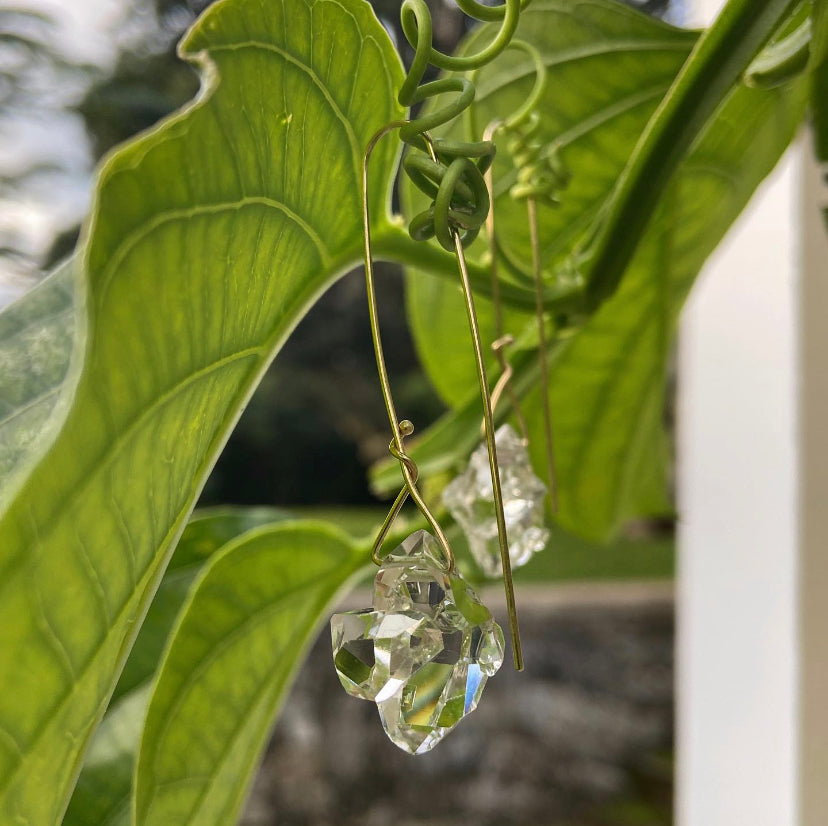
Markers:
{"x": 470, "y": 500}
{"x": 425, "y": 650}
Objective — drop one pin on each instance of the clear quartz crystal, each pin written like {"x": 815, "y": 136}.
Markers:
{"x": 425, "y": 650}
{"x": 470, "y": 500}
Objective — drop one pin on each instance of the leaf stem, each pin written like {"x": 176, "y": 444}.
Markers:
{"x": 718, "y": 61}
{"x": 392, "y": 243}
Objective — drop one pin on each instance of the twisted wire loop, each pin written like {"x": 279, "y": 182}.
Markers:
{"x": 503, "y": 383}
{"x": 410, "y": 471}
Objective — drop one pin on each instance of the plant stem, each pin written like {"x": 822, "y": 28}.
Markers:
{"x": 721, "y": 56}
{"x": 392, "y": 243}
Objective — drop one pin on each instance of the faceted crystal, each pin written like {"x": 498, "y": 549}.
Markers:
{"x": 470, "y": 500}
{"x": 424, "y": 652}
{"x": 353, "y": 651}
{"x": 412, "y": 577}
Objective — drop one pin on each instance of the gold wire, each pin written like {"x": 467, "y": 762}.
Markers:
{"x": 501, "y": 341}
{"x": 508, "y": 583}
{"x": 399, "y": 429}
{"x": 532, "y": 214}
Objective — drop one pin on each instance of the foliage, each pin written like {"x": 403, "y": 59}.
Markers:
{"x": 42, "y": 325}
{"x": 210, "y": 237}
{"x": 819, "y": 83}
{"x": 608, "y": 377}
{"x": 265, "y": 595}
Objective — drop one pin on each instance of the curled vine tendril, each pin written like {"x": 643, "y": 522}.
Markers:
{"x": 541, "y": 174}
{"x": 454, "y": 181}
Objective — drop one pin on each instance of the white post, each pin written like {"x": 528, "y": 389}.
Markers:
{"x": 813, "y": 505}
{"x": 736, "y": 610}
{"x": 752, "y": 613}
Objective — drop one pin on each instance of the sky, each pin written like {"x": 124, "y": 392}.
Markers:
{"x": 45, "y": 143}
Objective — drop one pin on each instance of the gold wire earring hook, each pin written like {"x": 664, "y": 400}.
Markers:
{"x": 501, "y": 341}
{"x": 400, "y": 429}
{"x": 534, "y": 236}
{"x": 404, "y": 428}
{"x": 525, "y": 118}
{"x": 506, "y": 562}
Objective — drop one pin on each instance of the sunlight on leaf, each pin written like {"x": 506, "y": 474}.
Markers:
{"x": 37, "y": 335}
{"x": 102, "y": 795}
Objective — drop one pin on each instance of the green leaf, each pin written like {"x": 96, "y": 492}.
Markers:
{"x": 607, "y": 386}
{"x": 210, "y": 237}
{"x": 102, "y": 794}
{"x": 570, "y": 559}
{"x": 205, "y": 533}
{"x": 447, "y": 443}
{"x": 238, "y": 643}
{"x": 36, "y": 338}
{"x": 785, "y": 58}
{"x": 104, "y": 786}
{"x": 607, "y": 380}
{"x": 716, "y": 66}
{"x": 819, "y": 83}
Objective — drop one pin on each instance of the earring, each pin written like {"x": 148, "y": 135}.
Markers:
{"x": 469, "y": 497}
{"x": 425, "y": 649}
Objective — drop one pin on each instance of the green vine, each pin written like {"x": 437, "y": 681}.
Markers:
{"x": 453, "y": 175}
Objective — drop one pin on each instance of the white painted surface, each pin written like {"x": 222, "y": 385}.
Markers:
{"x": 738, "y": 529}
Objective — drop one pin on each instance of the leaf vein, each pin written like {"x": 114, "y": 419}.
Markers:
{"x": 107, "y": 456}
{"x": 29, "y": 405}
{"x": 315, "y": 79}
{"x": 170, "y": 215}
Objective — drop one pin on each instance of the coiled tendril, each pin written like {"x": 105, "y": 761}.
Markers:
{"x": 541, "y": 174}
{"x": 454, "y": 182}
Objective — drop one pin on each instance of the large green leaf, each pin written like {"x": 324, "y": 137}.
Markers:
{"x": 209, "y": 239}
{"x": 607, "y": 380}
{"x": 607, "y": 387}
{"x": 239, "y": 641}
{"x": 36, "y": 341}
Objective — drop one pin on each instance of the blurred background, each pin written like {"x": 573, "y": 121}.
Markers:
{"x": 586, "y": 735}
